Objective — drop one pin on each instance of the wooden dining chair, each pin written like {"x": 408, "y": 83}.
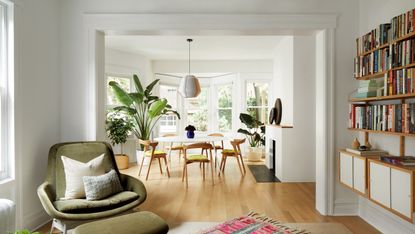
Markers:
{"x": 217, "y": 146}
{"x": 169, "y": 148}
{"x": 197, "y": 158}
{"x": 150, "y": 151}
{"x": 234, "y": 152}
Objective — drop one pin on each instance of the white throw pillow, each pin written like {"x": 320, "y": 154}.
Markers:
{"x": 75, "y": 170}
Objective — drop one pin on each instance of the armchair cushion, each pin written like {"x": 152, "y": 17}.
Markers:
{"x": 83, "y": 205}
{"x": 98, "y": 187}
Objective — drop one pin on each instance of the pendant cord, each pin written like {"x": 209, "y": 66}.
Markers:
{"x": 189, "y": 57}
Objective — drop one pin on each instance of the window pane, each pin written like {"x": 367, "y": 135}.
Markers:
{"x": 257, "y": 94}
{"x": 259, "y": 113}
{"x": 197, "y": 110}
{"x": 225, "y": 96}
{"x": 125, "y": 83}
{"x": 169, "y": 122}
{"x": 225, "y": 120}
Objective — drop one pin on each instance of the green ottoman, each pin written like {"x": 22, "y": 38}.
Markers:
{"x": 138, "y": 223}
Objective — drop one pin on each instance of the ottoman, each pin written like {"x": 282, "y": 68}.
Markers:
{"x": 138, "y": 223}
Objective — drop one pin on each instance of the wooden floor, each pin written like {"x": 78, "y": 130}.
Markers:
{"x": 231, "y": 196}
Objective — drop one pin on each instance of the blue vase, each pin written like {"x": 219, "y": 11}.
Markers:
{"x": 190, "y": 134}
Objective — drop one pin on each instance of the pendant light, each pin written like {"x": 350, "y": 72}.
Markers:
{"x": 189, "y": 86}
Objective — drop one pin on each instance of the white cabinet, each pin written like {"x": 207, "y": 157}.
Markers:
{"x": 346, "y": 169}
{"x": 401, "y": 192}
{"x": 380, "y": 183}
{"x": 359, "y": 174}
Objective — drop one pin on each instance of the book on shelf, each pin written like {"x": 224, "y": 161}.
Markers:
{"x": 386, "y": 117}
{"x": 373, "y": 152}
{"x": 399, "y": 160}
{"x": 403, "y": 24}
{"x": 399, "y": 82}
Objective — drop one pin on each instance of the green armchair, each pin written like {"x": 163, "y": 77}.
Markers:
{"x": 66, "y": 213}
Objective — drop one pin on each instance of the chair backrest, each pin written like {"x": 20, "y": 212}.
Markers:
{"x": 236, "y": 144}
{"x": 147, "y": 144}
{"x": 203, "y": 145}
{"x": 217, "y": 135}
{"x": 80, "y": 151}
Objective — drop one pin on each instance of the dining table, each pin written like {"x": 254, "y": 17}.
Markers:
{"x": 181, "y": 139}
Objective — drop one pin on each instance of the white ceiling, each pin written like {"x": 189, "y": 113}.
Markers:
{"x": 202, "y": 47}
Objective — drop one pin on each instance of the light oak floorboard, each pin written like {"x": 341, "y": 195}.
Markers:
{"x": 231, "y": 196}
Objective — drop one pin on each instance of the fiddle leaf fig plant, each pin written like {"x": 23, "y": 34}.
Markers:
{"x": 118, "y": 127}
{"x": 142, "y": 106}
{"x": 255, "y": 131}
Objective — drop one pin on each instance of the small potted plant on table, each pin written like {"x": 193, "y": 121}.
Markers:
{"x": 118, "y": 127}
{"x": 255, "y": 135}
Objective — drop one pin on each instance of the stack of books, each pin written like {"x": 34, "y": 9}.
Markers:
{"x": 401, "y": 161}
{"x": 368, "y": 88}
{"x": 372, "y": 152}
{"x": 388, "y": 117}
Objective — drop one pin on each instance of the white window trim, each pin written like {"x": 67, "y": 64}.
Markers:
{"x": 216, "y": 108}
{"x": 7, "y": 138}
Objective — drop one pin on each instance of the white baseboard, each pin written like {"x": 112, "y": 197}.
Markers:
{"x": 35, "y": 220}
{"x": 345, "y": 208}
{"x": 383, "y": 220}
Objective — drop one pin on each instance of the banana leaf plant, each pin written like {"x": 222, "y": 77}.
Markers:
{"x": 255, "y": 132}
{"x": 145, "y": 108}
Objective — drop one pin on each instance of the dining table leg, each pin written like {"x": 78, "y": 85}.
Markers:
{"x": 216, "y": 153}
{"x": 171, "y": 146}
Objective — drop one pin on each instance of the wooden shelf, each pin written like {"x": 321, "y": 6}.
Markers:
{"x": 381, "y": 74}
{"x": 407, "y": 36}
{"x": 383, "y": 132}
{"x": 278, "y": 126}
{"x": 382, "y": 98}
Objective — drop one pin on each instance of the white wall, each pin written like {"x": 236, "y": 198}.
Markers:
{"x": 371, "y": 14}
{"x": 37, "y": 106}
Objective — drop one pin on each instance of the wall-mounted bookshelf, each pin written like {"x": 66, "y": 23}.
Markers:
{"x": 388, "y": 53}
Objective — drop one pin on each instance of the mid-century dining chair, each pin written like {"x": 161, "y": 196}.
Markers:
{"x": 179, "y": 148}
{"x": 216, "y": 147}
{"x": 234, "y": 152}
{"x": 197, "y": 158}
{"x": 150, "y": 151}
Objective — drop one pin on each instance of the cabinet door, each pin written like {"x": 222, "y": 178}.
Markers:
{"x": 346, "y": 169}
{"x": 380, "y": 183}
{"x": 401, "y": 192}
{"x": 359, "y": 174}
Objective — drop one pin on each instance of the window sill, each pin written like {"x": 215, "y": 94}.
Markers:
{"x": 6, "y": 181}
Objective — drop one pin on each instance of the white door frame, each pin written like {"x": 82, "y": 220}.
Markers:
{"x": 99, "y": 25}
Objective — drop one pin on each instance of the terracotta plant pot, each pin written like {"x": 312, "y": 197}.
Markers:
{"x": 122, "y": 161}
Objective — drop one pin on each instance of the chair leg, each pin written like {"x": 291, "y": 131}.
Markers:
{"x": 224, "y": 164}
{"x": 187, "y": 183}
{"x": 184, "y": 171}
{"x": 161, "y": 170}
{"x": 211, "y": 170}
{"x": 141, "y": 166}
{"x": 243, "y": 165}
{"x": 203, "y": 165}
{"x": 149, "y": 166}
{"x": 167, "y": 167}
{"x": 221, "y": 164}
{"x": 239, "y": 165}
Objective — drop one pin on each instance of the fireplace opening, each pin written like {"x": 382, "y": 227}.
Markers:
{"x": 272, "y": 155}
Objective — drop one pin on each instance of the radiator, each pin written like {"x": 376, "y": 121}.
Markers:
{"x": 7, "y": 216}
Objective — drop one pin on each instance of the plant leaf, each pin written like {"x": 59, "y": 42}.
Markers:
{"x": 157, "y": 108}
{"x": 245, "y": 132}
{"x": 121, "y": 95}
{"x": 137, "y": 97}
{"x": 150, "y": 87}
{"x": 125, "y": 109}
{"x": 248, "y": 120}
{"x": 137, "y": 83}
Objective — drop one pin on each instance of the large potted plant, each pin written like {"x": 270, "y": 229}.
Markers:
{"x": 255, "y": 134}
{"x": 142, "y": 106}
{"x": 118, "y": 127}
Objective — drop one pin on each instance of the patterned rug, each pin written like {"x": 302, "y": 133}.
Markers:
{"x": 252, "y": 223}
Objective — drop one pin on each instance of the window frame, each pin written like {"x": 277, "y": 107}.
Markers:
{"x": 178, "y": 101}
{"x": 7, "y": 92}
{"x": 216, "y": 108}
{"x": 208, "y": 109}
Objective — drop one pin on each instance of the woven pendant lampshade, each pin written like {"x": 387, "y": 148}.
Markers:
{"x": 189, "y": 87}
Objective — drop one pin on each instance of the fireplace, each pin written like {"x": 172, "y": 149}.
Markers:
{"x": 272, "y": 154}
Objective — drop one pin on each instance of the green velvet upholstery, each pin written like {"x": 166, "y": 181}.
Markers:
{"x": 136, "y": 223}
{"x": 83, "y": 205}
{"x": 197, "y": 157}
{"x": 148, "y": 153}
{"x": 54, "y": 187}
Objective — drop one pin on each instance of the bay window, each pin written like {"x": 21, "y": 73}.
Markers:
{"x": 224, "y": 107}
{"x": 197, "y": 110}
{"x": 169, "y": 123}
